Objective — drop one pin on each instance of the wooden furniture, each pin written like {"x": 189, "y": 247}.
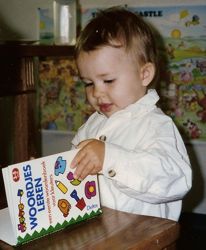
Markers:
{"x": 113, "y": 230}
{"x": 36, "y": 50}
{"x": 19, "y": 128}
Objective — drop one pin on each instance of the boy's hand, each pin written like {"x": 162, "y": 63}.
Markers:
{"x": 89, "y": 159}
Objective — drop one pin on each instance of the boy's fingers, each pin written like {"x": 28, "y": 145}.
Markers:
{"x": 78, "y": 174}
{"x": 86, "y": 170}
{"x": 83, "y": 143}
{"x": 77, "y": 159}
{"x": 81, "y": 167}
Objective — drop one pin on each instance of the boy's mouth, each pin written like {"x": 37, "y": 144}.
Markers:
{"x": 105, "y": 107}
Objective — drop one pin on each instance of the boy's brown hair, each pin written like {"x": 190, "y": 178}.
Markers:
{"x": 118, "y": 27}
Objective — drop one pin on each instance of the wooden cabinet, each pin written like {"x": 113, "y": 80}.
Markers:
{"x": 19, "y": 126}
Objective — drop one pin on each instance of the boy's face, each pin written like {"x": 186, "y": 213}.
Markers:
{"x": 112, "y": 79}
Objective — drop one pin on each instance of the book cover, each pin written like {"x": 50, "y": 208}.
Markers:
{"x": 43, "y": 197}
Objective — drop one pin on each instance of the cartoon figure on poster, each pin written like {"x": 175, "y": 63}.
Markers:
{"x": 62, "y": 100}
{"x": 184, "y": 89}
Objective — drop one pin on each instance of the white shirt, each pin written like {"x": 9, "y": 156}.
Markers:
{"x": 146, "y": 168}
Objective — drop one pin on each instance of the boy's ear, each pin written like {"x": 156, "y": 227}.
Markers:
{"x": 147, "y": 73}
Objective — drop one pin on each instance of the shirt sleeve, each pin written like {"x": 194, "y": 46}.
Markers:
{"x": 156, "y": 174}
{"x": 79, "y": 136}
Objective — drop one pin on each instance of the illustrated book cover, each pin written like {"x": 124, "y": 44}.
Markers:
{"x": 43, "y": 197}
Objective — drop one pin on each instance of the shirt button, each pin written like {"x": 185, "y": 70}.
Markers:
{"x": 111, "y": 173}
{"x": 102, "y": 138}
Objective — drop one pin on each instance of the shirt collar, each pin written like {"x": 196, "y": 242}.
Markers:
{"x": 144, "y": 104}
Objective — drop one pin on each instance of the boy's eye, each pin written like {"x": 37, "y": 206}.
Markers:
{"x": 109, "y": 81}
{"x": 87, "y": 84}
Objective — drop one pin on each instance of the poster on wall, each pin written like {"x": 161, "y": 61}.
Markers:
{"x": 182, "y": 49}
{"x": 63, "y": 106}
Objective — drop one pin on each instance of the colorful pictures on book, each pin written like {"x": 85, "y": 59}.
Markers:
{"x": 47, "y": 194}
{"x": 22, "y": 224}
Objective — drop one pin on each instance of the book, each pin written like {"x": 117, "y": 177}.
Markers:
{"x": 43, "y": 197}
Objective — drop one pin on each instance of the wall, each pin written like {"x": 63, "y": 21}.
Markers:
{"x": 19, "y": 20}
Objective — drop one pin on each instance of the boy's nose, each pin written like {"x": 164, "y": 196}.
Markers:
{"x": 97, "y": 91}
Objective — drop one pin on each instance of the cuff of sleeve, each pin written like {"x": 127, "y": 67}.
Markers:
{"x": 113, "y": 162}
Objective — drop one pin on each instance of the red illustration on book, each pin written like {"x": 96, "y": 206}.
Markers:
{"x": 15, "y": 174}
{"x": 64, "y": 206}
{"x": 80, "y": 202}
{"x": 90, "y": 189}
